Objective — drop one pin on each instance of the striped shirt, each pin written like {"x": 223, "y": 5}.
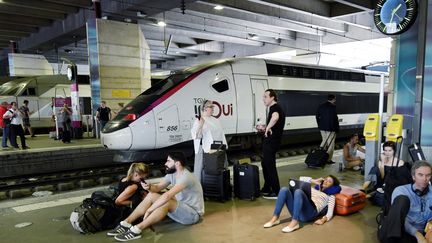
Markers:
{"x": 321, "y": 200}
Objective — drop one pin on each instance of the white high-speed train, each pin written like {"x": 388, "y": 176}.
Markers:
{"x": 162, "y": 116}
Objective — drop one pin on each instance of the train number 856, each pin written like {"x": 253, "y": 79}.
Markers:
{"x": 172, "y": 128}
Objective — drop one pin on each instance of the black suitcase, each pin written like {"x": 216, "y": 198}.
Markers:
{"x": 317, "y": 158}
{"x": 246, "y": 181}
{"x": 217, "y": 187}
{"x": 214, "y": 163}
{"x": 416, "y": 152}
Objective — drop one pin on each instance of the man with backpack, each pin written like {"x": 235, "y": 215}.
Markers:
{"x": 411, "y": 208}
{"x": 184, "y": 202}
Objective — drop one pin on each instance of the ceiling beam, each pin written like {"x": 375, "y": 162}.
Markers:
{"x": 176, "y": 30}
{"x": 74, "y": 3}
{"x": 28, "y": 12}
{"x": 19, "y": 20}
{"x": 13, "y": 33}
{"x": 39, "y": 5}
{"x": 358, "y": 4}
{"x": 17, "y": 28}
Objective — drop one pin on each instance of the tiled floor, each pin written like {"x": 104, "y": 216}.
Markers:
{"x": 233, "y": 221}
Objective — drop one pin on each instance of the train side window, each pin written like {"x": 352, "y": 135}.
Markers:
{"x": 221, "y": 86}
{"x": 31, "y": 91}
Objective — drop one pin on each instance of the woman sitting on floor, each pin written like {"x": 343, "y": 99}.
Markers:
{"x": 130, "y": 190}
{"x": 301, "y": 208}
{"x": 375, "y": 178}
{"x": 350, "y": 158}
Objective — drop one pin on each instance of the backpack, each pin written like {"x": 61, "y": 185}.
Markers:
{"x": 96, "y": 214}
{"x": 7, "y": 121}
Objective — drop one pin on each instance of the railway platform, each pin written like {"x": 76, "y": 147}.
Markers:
{"x": 47, "y": 155}
{"x": 232, "y": 221}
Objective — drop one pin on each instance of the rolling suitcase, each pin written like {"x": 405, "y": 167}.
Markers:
{"x": 246, "y": 181}
{"x": 416, "y": 152}
{"x": 318, "y": 157}
{"x": 349, "y": 200}
{"x": 217, "y": 187}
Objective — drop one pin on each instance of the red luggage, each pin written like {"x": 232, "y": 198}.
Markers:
{"x": 349, "y": 200}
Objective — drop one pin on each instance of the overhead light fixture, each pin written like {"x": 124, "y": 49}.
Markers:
{"x": 253, "y": 36}
{"x": 218, "y": 7}
{"x": 161, "y": 23}
{"x": 141, "y": 14}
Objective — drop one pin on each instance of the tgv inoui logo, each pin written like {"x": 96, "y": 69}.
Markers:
{"x": 218, "y": 111}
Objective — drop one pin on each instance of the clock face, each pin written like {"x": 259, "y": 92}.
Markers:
{"x": 393, "y": 17}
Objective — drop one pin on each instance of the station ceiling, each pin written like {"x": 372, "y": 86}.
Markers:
{"x": 198, "y": 31}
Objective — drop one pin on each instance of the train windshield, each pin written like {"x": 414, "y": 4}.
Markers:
{"x": 133, "y": 110}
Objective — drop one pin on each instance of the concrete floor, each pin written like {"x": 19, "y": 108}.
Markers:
{"x": 233, "y": 221}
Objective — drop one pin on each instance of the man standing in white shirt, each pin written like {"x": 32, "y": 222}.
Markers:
{"x": 16, "y": 126}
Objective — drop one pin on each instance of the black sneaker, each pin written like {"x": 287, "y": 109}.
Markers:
{"x": 270, "y": 196}
{"x": 129, "y": 235}
{"x": 330, "y": 162}
{"x": 120, "y": 229}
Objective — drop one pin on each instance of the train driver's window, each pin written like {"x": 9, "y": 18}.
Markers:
{"x": 221, "y": 86}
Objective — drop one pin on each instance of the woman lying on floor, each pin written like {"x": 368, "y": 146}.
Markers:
{"x": 302, "y": 209}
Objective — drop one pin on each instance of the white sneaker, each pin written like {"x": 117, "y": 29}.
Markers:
{"x": 356, "y": 168}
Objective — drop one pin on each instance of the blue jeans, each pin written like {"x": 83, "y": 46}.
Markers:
{"x": 299, "y": 206}
{"x": 5, "y": 136}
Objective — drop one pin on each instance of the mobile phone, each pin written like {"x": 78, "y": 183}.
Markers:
{"x": 143, "y": 181}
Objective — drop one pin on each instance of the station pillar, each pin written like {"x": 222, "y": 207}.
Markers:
{"x": 119, "y": 60}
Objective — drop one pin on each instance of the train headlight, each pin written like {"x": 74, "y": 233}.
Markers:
{"x": 130, "y": 117}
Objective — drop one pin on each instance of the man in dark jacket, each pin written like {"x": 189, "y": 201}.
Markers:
{"x": 328, "y": 124}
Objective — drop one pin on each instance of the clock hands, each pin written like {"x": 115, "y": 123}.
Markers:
{"x": 394, "y": 12}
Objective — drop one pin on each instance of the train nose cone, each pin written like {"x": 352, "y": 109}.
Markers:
{"x": 118, "y": 140}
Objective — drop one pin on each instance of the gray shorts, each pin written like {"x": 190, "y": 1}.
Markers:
{"x": 184, "y": 214}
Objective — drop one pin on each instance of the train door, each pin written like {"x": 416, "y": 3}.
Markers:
{"x": 167, "y": 126}
{"x": 259, "y": 86}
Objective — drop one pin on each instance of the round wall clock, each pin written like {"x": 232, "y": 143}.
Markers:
{"x": 394, "y": 17}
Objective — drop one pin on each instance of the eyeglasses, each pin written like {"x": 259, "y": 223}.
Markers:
{"x": 209, "y": 106}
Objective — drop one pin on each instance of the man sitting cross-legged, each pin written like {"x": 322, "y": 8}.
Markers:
{"x": 184, "y": 202}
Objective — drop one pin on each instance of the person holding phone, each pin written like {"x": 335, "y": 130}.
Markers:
{"x": 205, "y": 130}
{"x": 131, "y": 193}
{"x": 183, "y": 203}
{"x": 303, "y": 209}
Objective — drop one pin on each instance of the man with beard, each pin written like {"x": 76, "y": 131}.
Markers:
{"x": 183, "y": 203}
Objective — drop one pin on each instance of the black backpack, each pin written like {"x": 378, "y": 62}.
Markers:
{"x": 96, "y": 214}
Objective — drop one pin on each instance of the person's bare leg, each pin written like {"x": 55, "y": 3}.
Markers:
{"x": 293, "y": 223}
{"x": 351, "y": 164}
{"x": 274, "y": 219}
{"x": 366, "y": 185}
{"x": 142, "y": 207}
{"x": 158, "y": 214}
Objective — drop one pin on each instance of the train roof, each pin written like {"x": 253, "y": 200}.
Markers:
{"x": 236, "y": 61}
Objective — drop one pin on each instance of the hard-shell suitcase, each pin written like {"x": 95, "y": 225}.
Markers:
{"x": 246, "y": 181}
{"x": 217, "y": 187}
{"x": 416, "y": 152}
{"x": 349, "y": 200}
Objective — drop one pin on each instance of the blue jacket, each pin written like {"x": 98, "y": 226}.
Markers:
{"x": 418, "y": 214}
